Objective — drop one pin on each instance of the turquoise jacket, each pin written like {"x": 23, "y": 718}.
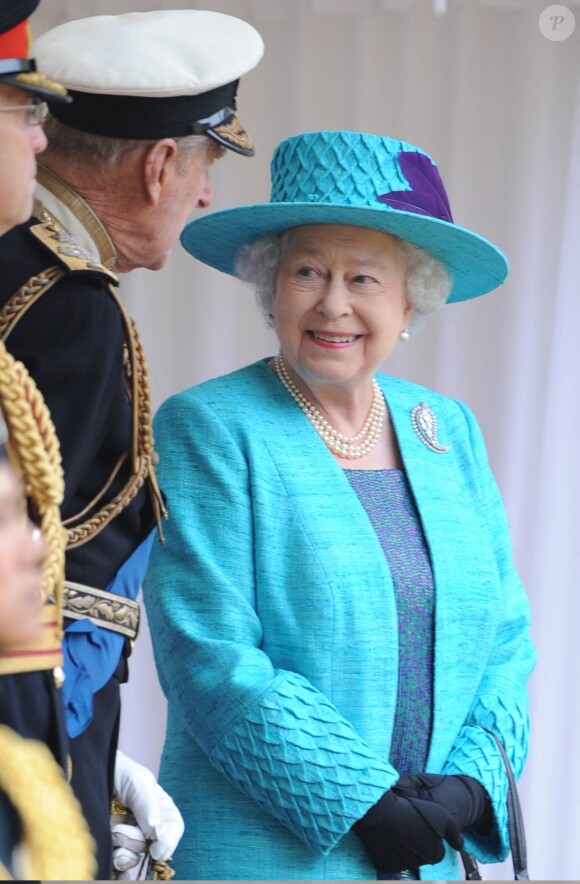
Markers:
{"x": 274, "y": 628}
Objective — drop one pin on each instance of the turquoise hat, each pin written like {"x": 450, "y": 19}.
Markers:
{"x": 361, "y": 180}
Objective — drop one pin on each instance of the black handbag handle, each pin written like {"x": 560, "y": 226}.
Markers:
{"x": 517, "y": 835}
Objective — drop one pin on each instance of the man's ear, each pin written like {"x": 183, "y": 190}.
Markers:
{"x": 160, "y": 162}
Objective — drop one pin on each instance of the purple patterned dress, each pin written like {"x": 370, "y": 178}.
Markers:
{"x": 388, "y": 501}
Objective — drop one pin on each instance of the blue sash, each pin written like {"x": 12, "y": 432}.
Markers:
{"x": 91, "y": 653}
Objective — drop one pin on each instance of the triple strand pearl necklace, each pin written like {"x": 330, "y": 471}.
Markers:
{"x": 350, "y": 447}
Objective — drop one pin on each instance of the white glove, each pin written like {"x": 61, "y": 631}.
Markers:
{"x": 159, "y": 824}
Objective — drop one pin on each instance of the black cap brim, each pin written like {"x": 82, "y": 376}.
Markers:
{"x": 210, "y": 113}
{"x": 22, "y": 73}
{"x": 233, "y": 136}
{"x": 44, "y": 88}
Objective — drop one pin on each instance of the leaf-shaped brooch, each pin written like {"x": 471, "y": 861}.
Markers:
{"x": 425, "y": 425}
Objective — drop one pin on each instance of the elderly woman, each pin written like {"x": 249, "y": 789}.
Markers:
{"x": 336, "y": 618}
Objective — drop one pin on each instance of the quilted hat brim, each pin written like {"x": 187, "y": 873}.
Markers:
{"x": 476, "y": 265}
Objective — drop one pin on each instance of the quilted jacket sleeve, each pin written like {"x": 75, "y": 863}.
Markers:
{"x": 501, "y": 702}
{"x": 269, "y": 731}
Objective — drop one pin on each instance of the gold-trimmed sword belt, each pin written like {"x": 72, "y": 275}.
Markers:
{"x": 102, "y": 608}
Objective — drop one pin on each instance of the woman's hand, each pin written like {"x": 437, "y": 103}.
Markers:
{"x": 406, "y": 832}
{"x": 461, "y": 796}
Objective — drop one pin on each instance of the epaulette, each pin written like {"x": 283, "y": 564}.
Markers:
{"x": 68, "y": 252}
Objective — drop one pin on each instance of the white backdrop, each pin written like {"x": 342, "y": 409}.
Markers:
{"x": 497, "y": 104}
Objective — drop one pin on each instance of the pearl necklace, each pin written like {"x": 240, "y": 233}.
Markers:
{"x": 349, "y": 447}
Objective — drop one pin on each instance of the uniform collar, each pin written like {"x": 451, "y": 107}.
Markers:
{"x": 55, "y": 197}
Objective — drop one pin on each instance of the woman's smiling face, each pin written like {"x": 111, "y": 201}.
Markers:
{"x": 340, "y": 302}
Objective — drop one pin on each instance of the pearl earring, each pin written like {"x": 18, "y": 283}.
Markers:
{"x": 404, "y": 335}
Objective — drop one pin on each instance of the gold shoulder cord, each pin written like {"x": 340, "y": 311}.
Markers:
{"x": 142, "y": 448}
{"x": 79, "y": 529}
{"x": 35, "y": 454}
{"x": 56, "y": 843}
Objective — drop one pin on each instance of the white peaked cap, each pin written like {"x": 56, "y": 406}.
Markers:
{"x": 153, "y": 74}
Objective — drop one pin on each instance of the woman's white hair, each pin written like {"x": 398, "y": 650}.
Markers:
{"x": 427, "y": 280}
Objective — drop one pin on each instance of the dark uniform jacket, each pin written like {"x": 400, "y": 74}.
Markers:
{"x": 72, "y": 342}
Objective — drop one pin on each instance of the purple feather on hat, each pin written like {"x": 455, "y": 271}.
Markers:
{"x": 427, "y": 195}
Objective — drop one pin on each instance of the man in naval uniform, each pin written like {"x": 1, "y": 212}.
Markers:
{"x": 154, "y": 104}
{"x": 24, "y": 639}
{"x": 23, "y": 91}
{"x": 34, "y": 792}
{"x": 33, "y": 788}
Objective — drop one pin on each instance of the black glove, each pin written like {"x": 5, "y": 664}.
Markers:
{"x": 404, "y": 833}
{"x": 461, "y": 796}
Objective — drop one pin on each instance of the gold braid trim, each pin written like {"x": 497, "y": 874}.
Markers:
{"x": 25, "y": 297}
{"x": 35, "y": 453}
{"x": 142, "y": 453}
{"x": 55, "y": 836}
{"x": 162, "y": 871}
{"x": 146, "y": 430}
{"x": 36, "y": 78}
